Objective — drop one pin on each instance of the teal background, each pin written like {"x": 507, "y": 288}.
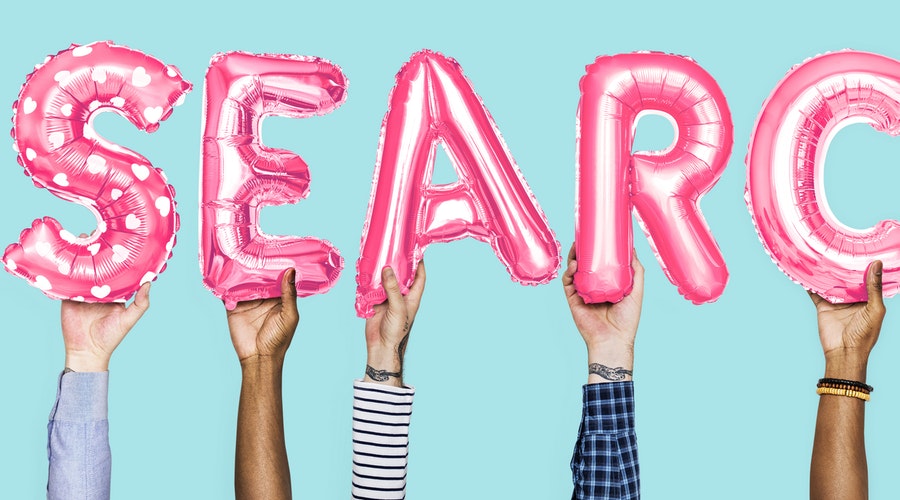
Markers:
{"x": 725, "y": 391}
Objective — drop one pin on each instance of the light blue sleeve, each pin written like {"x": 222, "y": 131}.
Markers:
{"x": 78, "y": 438}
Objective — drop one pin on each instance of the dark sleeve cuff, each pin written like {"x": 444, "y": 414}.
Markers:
{"x": 608, "y": 407}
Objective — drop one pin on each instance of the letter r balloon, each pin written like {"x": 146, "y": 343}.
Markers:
{"x": 239, "y": 175}
{"x": 663, "y": 187}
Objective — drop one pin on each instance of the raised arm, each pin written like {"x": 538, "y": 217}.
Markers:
{"x": 605, "y": 462}
{"x": 848, "y": 333}
{"x": 261, "y": 331}
{"x": 382, "y": 405}
{"x": 78, "y": 432}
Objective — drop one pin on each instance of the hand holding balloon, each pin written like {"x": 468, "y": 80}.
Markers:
{"x": 848, "y": 332}
{"x": 608, "y": 329}
{"x": 264, "y": 328}
{"x": 93, "y": 331}
{"x": 387, "y": 331}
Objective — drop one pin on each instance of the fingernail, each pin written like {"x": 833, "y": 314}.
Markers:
{"x": 388, "y": 271}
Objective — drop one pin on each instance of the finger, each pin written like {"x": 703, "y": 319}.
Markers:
{"x": 637, "y": 266}
{"x": 816, "y": 298}
{"x": 568, "y": 276}
{"x": 391, "y": 287}
{"x": 638, "y": 274}
{"x": 137, "y": 308}
{"x": 418, "y": 285}
{"x": 873, "y": 285}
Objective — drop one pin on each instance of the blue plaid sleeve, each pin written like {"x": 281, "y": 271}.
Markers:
{"x": 605, "y": 462}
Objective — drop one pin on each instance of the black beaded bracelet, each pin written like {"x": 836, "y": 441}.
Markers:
{"x": 840, "y": 381}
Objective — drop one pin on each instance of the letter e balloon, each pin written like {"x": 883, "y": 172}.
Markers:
{"x": 239, "y": 175}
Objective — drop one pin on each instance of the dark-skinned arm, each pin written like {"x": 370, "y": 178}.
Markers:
{"x": 261, "y": 331}
{"x": 848, "y": 333}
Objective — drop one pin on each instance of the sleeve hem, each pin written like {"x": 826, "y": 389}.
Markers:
{"x": 82, "y": 397}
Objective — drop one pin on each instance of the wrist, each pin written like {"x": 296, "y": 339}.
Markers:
{"x": 384, "y": 365}
{"x": 384, "y": 358}
{"x": 84, "y": 362}
{"x": 846, "y": 364}
{"x": 621, "y": 356}
{"x": 260, "y": 363}
{"x": 610, "y": 362}
{"x": 600, "y": 373}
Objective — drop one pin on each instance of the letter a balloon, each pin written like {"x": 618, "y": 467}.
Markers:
{"x": 432, "y": 102}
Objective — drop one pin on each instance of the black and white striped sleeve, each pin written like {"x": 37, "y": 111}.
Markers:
{"x": 380, "y": 439}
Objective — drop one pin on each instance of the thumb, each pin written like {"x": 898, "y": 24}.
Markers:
{"x": 289, "y": 291}
{"x": 873, "y": 286}
{"x": 391, "y": 287}
{"x": 138, "y": 307}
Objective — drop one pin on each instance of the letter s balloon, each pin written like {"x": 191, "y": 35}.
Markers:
{"x": 59, "y": 149}
{"x": 785, "y": 173}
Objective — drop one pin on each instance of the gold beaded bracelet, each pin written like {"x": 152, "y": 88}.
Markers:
{"x": 843, "y": 392}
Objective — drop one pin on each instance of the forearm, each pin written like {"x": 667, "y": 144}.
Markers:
{"x": 261, "y": 464}
{"x": 78, "y": 438}
{"x": 839, "y": 468}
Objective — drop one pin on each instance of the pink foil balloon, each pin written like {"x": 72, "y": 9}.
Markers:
{"x": 240, "y": 175}
{"x": 785, "y": 187}
{"x": 134, "y": 206}
{"x": 663, "y": 187}
{"x": 433, "y": 102}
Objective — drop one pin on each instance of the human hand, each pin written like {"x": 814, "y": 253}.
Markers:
{"x": 265, "y": 327}
{"x": 608, "y": 329}
{"x": 92, "y": 331}
{"x": 387, "y": 331}
{"x": 848, "y": 332}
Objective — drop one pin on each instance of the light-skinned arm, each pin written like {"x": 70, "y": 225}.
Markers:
{"x": 848, "y": 333}
{"x": 382, "y": 405}
{"x": 387, "y": 331}
{"x": 605, "y": 461}
{"x": 608, "y": 329}
{"x": 261, "y": 331}
{"x": 78, "y": 432}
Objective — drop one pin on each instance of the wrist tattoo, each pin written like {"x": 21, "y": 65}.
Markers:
{"x": 380, "y": 375}
{"x": 614, "y": 374}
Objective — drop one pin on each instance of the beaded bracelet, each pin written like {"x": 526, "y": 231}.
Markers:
{"x": 842, "y": 387}
{"x": 843, "y": 392}
{"x": 828, "y": 382}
